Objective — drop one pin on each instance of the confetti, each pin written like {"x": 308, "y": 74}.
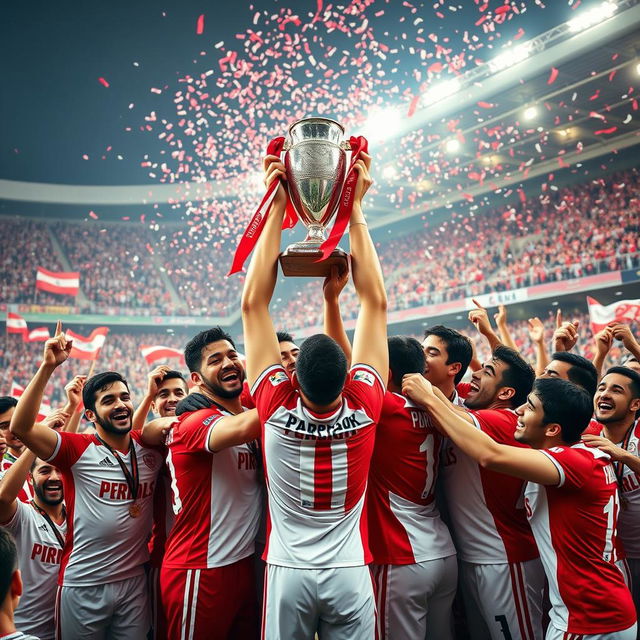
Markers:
{"x": 200, "y": 25}
{"x": 103, "y": 82}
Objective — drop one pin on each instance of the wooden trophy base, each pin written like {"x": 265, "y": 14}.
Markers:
{"x": 299, "y": 263}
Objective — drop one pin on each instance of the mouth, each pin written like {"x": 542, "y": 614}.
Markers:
{"x": 170, "y": 408}
{"x": 605, "y": 406}
{"x": 474, "y": 387}
{"x": 291, "y": 368}
{"x": 230, "y": 377}
{"x": 53, "y": 487}
{"x": 121, "y": 415}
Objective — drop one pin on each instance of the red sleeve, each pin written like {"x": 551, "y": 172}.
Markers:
{"x": 271, "y": 390}
{"x": 575, "y": 467}
{"x": 69, "y": 448}
{"x": 500, "y": 425}
{"x": 594, "y": 428}
{"x": 365, "y": 387}
{"x": 463, "y": 389}
{"x": 246, "y": 399}
{"x": 194, "y": 428}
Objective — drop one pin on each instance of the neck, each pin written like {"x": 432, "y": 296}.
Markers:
{"x": 6, "y": 617}
{"x": 319, "y": 408}
{"x": 500, "y": 404}
{"x": 54, "y": 511}
{"x": 233, "y": 405}
{"x": 448, "y": 388}
{"x": 16, "y": 452}
{"x": 616, "y": 431}
{"x": 115, "y": 441}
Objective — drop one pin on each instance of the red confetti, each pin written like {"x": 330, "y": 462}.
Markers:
{"x": 200, "y": 25}
{"x": 103, "y": 82}
{"x": 505, "y": 8}
{"x": 605, "y": 132}
{"x": 486, "y": 105}
{"x": 553, "y": 76}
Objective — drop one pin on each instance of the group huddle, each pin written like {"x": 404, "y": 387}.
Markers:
{"x": 349, "y": 490}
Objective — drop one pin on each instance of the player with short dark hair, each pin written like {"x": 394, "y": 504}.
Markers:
{"x": 571, "y": 500}
{"x": 448, "y": 354}
{"x": 572, "y": 367}
{"x": 14, "y": 446}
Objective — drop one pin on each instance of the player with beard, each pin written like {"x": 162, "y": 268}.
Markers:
{"x": 39, "y": 529}
{"x": 617, "y": 433}
{"x": 500, "y": 572}
{"x": 109, "y": 479}
{"x": 14, "y": 446}
{"x": 207, "y": 578}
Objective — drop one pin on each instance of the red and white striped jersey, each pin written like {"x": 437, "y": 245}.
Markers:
{"x": 26, "y": 493}
{"x": 316, "y": 470}
{"x": 404, "y": 523}
{"x": 104, "y": 543}
{"x": 574, "y": 524}
{"x": 486, "y": 508}
{"x": 39, "y": 554}
{"x": 629, "y": 517}
{"x": 163, "y": 517}
{"x": 216, "y": 496}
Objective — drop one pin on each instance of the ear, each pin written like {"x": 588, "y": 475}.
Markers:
{"x": 552, "y": 430}
{"x": 16, "y": 584}
{"x": 90, "y": 415}
{"x": 506, "y": 393}
{"x": 635, "y": 405}
{"x": 196, "y": 378}
{"x": 454, "y": 369}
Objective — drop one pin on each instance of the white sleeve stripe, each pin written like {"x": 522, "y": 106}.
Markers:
{"x": 558, "y": 467}
{"x": 368, "y": 368}
{"x": 476, "y": 422}
{"x": 261, "y": 377}
{"x": 57, "y": 449}
{"x": 209, "y": 430}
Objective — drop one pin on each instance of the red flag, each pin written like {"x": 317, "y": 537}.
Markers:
{"x": 16, "y": 323}
{"x": 153, "y": 353}
{"x": 626, "y": 311}
{"x": 87, "y": 348}
{"x": 61, "y": 282}
{"x": 41, "y": 334}
{"x": 45, "y": 408}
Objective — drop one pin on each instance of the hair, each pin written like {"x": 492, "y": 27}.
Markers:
{"x": 459, "y": 347}
{"x": 97, "y": 383}
{"x": 284, "y": 336}
{"x": 6, "y": 402}
{"x": 581, "y": 372}
{"x": 173, "y": 374}
{"x": 193, "y": 349}
{"x": 566, "y": 404}
{"x": 519, "y": 375}
{"x": 405, "y": 356}
{"x": 8, "y": 561}
{"x": 321, "y": 369}
{"x": 632, "y": 375}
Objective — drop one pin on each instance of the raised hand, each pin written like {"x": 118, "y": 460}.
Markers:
{"x": 274, "y": 169}
{"x": 56, "y": 349}
{"x": 365, "y": 180}
{"x": 604, "y": 340}
{"x": 56, "y": 419}
{"x": 536, "y": 330}
{"x": 480, "y": 319}
{"x": 566, "y": 334}
{"x": 623, "y": 333}
{"x": 334, "y": 283}
{"x": 501, "y": 316}
{"x": 417, "y": 387}
{"x": 73, "y": 390}
{"x": 155, "y": 378}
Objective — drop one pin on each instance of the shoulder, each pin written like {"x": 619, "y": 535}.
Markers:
{"x": 272, "y": 377}
{"x": 495, "y": 418}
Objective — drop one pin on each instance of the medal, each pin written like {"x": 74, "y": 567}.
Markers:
{"x": 135, "y": 510}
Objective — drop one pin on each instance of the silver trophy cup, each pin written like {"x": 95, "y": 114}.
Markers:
{"x": 316, "y": 163}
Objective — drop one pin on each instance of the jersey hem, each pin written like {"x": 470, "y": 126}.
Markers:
{"x": 324, "y": 565}
{"x": 99, "y": 582}
{"x": 200, "y": 565}
{"x": 405, "y": 562}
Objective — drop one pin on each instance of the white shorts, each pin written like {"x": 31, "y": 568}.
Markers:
{"x": 556, "y": 634}
{"x": 503, "y": 601}
{"x": 338, "y": 604}
{"x": 112, "y": 611}
{"x": 414, "y": 600}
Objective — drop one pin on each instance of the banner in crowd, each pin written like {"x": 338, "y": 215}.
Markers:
{"x": 41, "y": 334}
{"x": 87, "y": 348}
{"x": 61, "y": 282}
{"x": 16, "y": 323}
{"x": 622, "y": 311}
{"x": 153, "y": 353}
{"x": 45, "y": 408}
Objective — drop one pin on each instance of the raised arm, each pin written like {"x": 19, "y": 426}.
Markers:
{"x": 370, "y": 337}
{"x": 153, "y": 382}
{"x": 74, "y": 395}
{"x": 527, "y": 464}
{"x": 11, "y": 483}
{"x": 480, "y": 320}
{"x": 604, "y": 341}
{"x": 38, "y": 437}
{"x": 260, "y": 342}
{"x": 503, "y": 327}
{"x": 536, "y": 333}
{"x": 234, "y": 430}
{"x": 333, "y": 325}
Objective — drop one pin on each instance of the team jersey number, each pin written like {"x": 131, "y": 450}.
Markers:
{"x": 428, "y": 448}
{"x": 176, "y": 502}
{"x": 612, "y": 508}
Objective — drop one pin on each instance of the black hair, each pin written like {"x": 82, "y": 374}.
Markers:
{"x": 193, "y": 349}
{"x": 459, "y": 347}
{"x": 566, "y": 404}
{"x": 284, "y": 336}
{"x": 405, "y": 356}
{"x": 519, "y": 375}
{"x": 8, "y": 561}
{"x": 632, "y": 375}
{"x": 173, "y": 374}
{"x": 97, "y": 383}
{"x": 321, "y": 369}
{"x": 6, "y": 402}
{"x": 581, "y": 372}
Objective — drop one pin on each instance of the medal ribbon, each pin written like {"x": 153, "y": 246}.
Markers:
{"x": 132, "y": 477}
{"x": 359, "y": 145}
{"x": 50, "y": 522}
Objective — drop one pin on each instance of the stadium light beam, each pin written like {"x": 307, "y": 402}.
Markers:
{"x": 452, "y": 145}
{"x": 441, "y": 91}
{"x": 510, "y": 57}
{"x": 389, "y": 172}
{"x": 382, "y": 124}
{"x": 591, "y": 17}
{"x": 530, "y": 113}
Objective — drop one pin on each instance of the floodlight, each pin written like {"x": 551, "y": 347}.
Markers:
{"x": 530, "y": 113}
{"x": 510, "y": 57}
{"x": 588, "y": 18}
{"x": 441, "y": 91}
{"x": 452, "y": 145}
{"x": 382, "y": 124}
{"x": 389, "y": 172}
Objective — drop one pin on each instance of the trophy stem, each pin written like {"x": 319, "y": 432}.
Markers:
{"x": 315, "y": 234}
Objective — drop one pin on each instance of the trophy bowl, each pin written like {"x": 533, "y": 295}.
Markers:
{"x": 316, "y": 164}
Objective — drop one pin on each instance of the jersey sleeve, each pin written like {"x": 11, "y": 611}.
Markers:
{"x": 463, "y": 389}
{"x": 271, "y": 390}
{"x": 69, "y": 448}
{"x": 246, "y": 399}
{"x": 196, "y": 428}
{"x": 17, "y": 521}
{"x": 365, "y": 387}
{"x": 499, "y": 425}
{"x": 574, "y": 467}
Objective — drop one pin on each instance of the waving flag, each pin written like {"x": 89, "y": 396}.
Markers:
{"x": 16, "y": 323}
{"x": 87, "y": 348}
{"x": 153, "y": 353}
{"x": 626, "y": 311}
{"x": 61, "y": 282}
{"x": 45, "y": 408}
{"x": 41, "y": 334}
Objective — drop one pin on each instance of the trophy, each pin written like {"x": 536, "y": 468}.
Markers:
{"x": 316, "y": 164}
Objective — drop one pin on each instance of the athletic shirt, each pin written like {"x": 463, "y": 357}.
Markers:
{"x": 39, "y": 555}
{"x": 574, "y": 524}
{"x": 404, "y": 522}
{"x": 629, "y": 516}
{"x": 486, "y": 508}
{"x": 104, "y": 543}
{"x": 216, "y": 496}
{"x": 163, "y": 518}
{"x": 316, "y": 468}
{"x": 26, "y": 493}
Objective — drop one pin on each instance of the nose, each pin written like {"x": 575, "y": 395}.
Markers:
{"x": 520, "y": 410}
{"x": 55, "y": 475}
